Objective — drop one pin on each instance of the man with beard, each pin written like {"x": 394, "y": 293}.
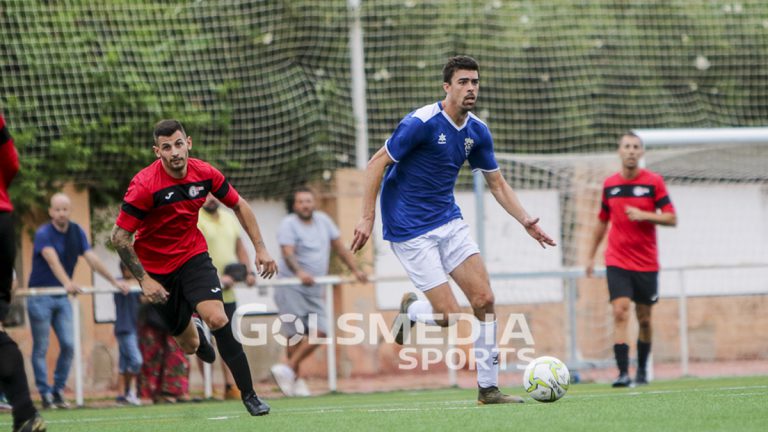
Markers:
{"x": 169, "y": 256}
{"x": 306, "y": 237}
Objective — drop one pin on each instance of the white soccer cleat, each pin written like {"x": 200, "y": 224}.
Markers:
{"x": 285, "y": 378}
{"x": 300, "y": 388}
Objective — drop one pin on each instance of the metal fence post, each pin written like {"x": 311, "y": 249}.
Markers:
{"x": 76, "y": 324}
{"x": 331, "y": 324}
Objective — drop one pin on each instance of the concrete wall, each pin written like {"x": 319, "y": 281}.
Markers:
{"x": 721, "y": 328}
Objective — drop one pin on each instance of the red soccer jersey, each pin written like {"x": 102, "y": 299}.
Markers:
{"x": 632, "y": 245}
{"x": 9, "y": 165}
{"x": 163, "y": 212}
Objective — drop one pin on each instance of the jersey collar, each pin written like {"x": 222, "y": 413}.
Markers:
{"x": 450, "y": 120}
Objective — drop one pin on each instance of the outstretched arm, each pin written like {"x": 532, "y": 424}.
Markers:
{"x": 242, "y": 258}
{"x": 637, "y": 215}
{"x": 121, "y": 240}
{"x": 265, "y": 265}
{"x": 508, "y": 200}
{"x": 96, "y": 265}
{"x": 597, "y": 237}
{"x": 52, "y": 258}
{"x": 373, "y": 174}
{"x": 349, "y": 260}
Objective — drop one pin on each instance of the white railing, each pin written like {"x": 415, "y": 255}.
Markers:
{"x": 568, "y": 275}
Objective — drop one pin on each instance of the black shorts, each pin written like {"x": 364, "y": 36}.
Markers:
{"x": 195, "y": 281}
{"x": 641, "y": 287}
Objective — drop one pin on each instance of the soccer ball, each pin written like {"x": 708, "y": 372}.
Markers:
{"x": 546, "y": 379}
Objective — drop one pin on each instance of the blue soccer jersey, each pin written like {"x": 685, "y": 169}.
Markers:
{"x": 429, "y": 149}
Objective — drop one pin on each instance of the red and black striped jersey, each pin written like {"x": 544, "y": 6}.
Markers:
{"x": 163, "y": 212}
{"x": 632, "y": 245}
{"x": 9, "y": 165}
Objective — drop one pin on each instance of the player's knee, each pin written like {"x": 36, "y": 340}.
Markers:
{"x": 644, "y": 323}
{"x": 621, "y": 314}
{"x": 189, "y": 346}
{"x": 482, "y": 302}
{"x": 445, "y": 315}
{"x": 216, "y": 321}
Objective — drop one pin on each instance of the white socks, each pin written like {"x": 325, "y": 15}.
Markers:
{"x": 421, "y": 311}
{"x": 487, "y": 355}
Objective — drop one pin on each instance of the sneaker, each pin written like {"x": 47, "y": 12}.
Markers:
{"x": 232, "y": 393}
{"x": 640, "y": 378}
{"x": 35, "y": 424}
{"x": 205, "y": 351}
{"x": 132, "y": 399}
{"x": 4, "y": 405}
{"x": 254, "y": 405}
{"x": 59, "y": 401}
{"x": 398, "y": 326}
{"x": 300, "y": 388}
{"x": 492, "y": 395}
{"x": 47, "y": 401}
{"x": 622, "y": 381}
{"x": 121, "y": 400}
{"x": 284, "y": 377}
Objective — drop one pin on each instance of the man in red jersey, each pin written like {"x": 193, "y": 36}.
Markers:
{"x": 635, "y": 200}
{"x": 13, "y": 378}
{"x": 169, "y": 255}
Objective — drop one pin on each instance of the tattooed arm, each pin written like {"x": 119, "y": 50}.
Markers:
{"x": 121, "y": 240}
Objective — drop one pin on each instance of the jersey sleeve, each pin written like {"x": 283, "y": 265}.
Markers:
{"x": 662, "y": 200}
{"x": 405, "y": 138}
{"x": 137, "y": 203}
{"x": 85, "y": 245}
{"x": 333, "y": 230}
{"x": 481, "y": 156}
{"x": 605, "y": 210}
{"x": 285, "y": 234}
{"x": 42, "y": 239}
{"x": 9, "y": 158}
{"x": 222, "y": 189}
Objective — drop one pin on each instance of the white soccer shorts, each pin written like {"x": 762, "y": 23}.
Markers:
{"x": 430, "y": 257}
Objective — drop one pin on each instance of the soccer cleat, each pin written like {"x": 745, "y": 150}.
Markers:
{"x": 59, "y": 401}
{"x": 622, "y": 381}
{"x": 47, "y": 401}
{"x": 492, "y": 395}
{"x": 398, "y": 326}
{"x": 300, "y": 388}
{"x": 640, "y": 378}
{"x": 205, "y": 350}
{"x": 132, "y": 399}
{"x": 254, "y": 405}
{"x": 35, "y": 424}
{"x": 285, "y": 378}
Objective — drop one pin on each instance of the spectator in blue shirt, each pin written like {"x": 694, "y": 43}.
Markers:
{"x": 57, "y": 247}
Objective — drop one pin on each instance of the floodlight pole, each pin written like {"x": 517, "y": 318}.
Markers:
{"x": 357, "y": 64}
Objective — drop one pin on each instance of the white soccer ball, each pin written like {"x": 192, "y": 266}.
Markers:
{"x": 546, "y": 379}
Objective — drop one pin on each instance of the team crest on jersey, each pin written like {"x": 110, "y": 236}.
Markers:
{"x": 641, "y": 191}
{"x": 195, "y": 190}
{"x": 441, "y": 139}
{"x": 468, "y": 144}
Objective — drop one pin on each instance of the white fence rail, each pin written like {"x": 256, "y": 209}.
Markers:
{"x": 569, "y": 276}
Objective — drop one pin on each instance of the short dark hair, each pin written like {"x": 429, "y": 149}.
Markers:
{"x": 633, "y": 135}
{"x": 458, "y": 63}
{"x": 291, "y": 199}
{"x": 167, "y": 128}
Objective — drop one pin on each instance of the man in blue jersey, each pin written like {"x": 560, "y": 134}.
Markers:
{"x": 419, "y": 164}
